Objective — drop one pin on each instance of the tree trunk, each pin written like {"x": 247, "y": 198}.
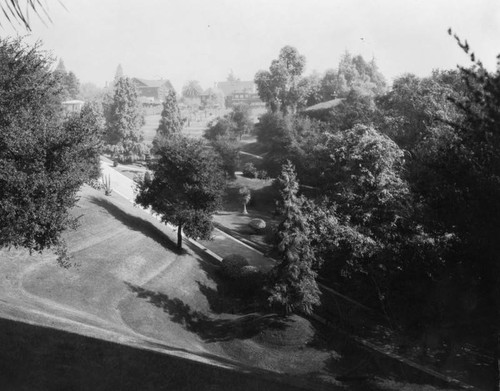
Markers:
{"x": 179, "y": 237}
{"x": 245, "y": 212}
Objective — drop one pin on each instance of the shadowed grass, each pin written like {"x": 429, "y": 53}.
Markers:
{"x": 208, "y": 328}
{"x": 137, "y": 224}
{"x": 35, "y": 358}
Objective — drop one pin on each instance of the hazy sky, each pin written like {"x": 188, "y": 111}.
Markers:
{"x": 204, "y": 40}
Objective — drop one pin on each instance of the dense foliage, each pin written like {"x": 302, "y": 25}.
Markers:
{"x": 124, "y": 119}
{"x": 69, "y": 82}
{"x": 232, "y": 125}
{"x": 279, "y": 87}
{"x": 171, "y": 121}
{"x": 405, "y": 197}
{"x": 44, "y": 157}
{"x": 186, "y": 186}
{"x": 293, "y": 285}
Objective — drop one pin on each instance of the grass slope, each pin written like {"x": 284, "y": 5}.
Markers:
{"x": 126, "y": 277}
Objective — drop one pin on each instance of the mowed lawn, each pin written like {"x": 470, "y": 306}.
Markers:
{"x": 126, "y": 277}
{"x": 196, "y": 128}
{"x": 126, "y": 283}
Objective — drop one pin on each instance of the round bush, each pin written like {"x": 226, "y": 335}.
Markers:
{"x": 232, "y": 265}
{"x": 248, "y": 271}
{"x": 258, "y": 225}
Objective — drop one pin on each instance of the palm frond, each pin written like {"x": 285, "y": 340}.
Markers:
{"x": 18, "y": 11}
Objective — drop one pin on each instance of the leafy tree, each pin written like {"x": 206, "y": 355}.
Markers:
{"x": 124, "y": 117}
{"x": 44, "y": 159}
{"x": 415, "y": 107}
{"x": 459, "y": 182}
{"x": 92, "y": 116}
{"x": 293, "y": 284}
{"x": 329, "y": 88}
{"x": 186, "y": 186}
{"x": 311, "y": 85}
{"x": 279, "y": 87}
{"x": 171, "y": 121}
{"x": 69, "y": 82}
{"x": 231, "y": 126}
{"x": 356, "y": 72}
{"x": 221, "y": 128}
{"x": 287, "y": 137}
{"x": 229, "y": 152}
{"x": 357, "y": 108}
{"x": 352, "y": 72}
{"x": 72, "y": 85}
{"x": 191, "y": 89}
{"x": 240, "y": 115}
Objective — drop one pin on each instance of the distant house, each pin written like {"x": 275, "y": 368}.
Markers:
{"x": 237, "y": 92}
{"x": 72, "y": 106}
{"x": 152, "y": 91}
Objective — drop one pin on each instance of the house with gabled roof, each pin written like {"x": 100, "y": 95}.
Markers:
{"x": 238, "y": 91}
{"x": 152, "y": 90}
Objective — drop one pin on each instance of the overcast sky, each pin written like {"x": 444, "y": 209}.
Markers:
{"x": 204, "y": 40}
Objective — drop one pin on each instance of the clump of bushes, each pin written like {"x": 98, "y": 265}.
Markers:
{"x": 95, "y": 184}
{"x": 249, "y": 170}
{"x": 232, "y": 266}
{"x": 246, "y": 280}
{"x": 262, "y": 174}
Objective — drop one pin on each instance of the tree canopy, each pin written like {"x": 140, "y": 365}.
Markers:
{"x": 186, "y": 186}
{"x": 279, "y": 87}
{"x": 192, "y": 89}
{"x": 44, "y": 158}
{"x": 69, "y": 82}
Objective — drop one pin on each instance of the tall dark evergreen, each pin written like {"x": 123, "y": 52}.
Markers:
{"x": 293, "y": 280}
{"x": 124, "y": 116}
{"x": 171, "y": 120}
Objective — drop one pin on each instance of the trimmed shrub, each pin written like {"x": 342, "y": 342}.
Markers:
{"x": 258, "y": 225}
{"x": 232, "y": 266}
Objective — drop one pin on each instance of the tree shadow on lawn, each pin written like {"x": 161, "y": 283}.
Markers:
{"x": 137, "y": 224}
{"x": 208, "y": 328}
